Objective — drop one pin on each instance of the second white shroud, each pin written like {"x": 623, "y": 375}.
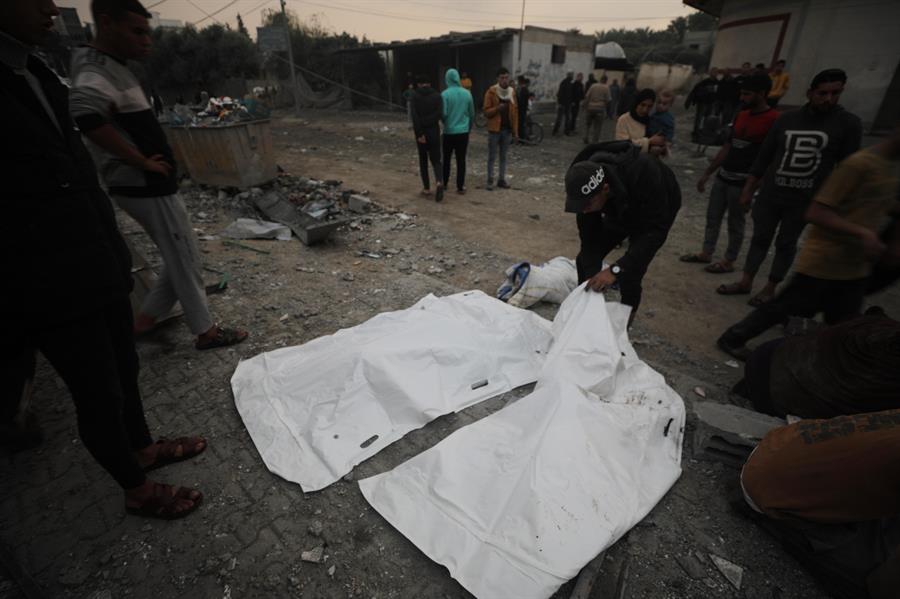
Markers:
{"x": 517, "y": 503}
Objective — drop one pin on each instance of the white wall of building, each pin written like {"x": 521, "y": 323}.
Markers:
{"x": 659, "y": 76}
{"x": 863, "y": 38}
{"x": 535, "y": 62}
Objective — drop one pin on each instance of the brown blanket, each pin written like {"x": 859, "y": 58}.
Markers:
{"x": 849, "y": 368}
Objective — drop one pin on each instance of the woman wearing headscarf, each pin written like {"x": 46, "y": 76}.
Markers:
{"x": 633, "y": 124}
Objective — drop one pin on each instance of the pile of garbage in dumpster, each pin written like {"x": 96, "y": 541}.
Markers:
{"x": 218, "y": 111}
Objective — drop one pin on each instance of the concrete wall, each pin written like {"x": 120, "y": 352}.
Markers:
{"x": 861, "y": 38}
{"x": 534, "y": 60}
{"x": 659, "y": 76}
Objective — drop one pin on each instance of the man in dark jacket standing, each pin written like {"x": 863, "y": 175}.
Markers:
{"x": 619, "y": 193}
{"x": 427, "y": 108}
{"x": 577, "y": 98}
{"x": 523, "y": 95}
{"x": 60, "y": 238}
{"x": 703, "y": 96}
{"x": 563, "y": 104}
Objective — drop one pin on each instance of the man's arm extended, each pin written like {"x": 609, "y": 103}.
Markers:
{"x": 828, "y": 218}
{"x": 109, "y": 139}
{"x": 713, "y": 166}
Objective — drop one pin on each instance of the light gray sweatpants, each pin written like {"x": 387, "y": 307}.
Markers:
{"x": 166, "y": 221}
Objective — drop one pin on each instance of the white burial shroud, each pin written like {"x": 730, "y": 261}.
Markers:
{"x": 517, "y": 503}
{"x": 316, "y": 410}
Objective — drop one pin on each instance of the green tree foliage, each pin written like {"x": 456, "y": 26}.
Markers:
{"x": 666, "y": 45}
{"x": 315, "y": 47}
{"x": 242, "y": 29}
{"x": 186, "y": 58}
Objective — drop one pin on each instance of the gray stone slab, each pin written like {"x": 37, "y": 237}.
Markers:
{"x": 309, "y": 230}
{"x": 728, "y": 433}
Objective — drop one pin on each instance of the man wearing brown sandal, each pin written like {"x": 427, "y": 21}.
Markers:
{"x": 131, "y": 151}
{"x": 64, "y": 239}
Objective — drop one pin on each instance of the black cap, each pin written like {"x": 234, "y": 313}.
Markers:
{"x": 584, "y": 180}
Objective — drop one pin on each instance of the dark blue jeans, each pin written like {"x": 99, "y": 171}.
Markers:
{"x": 498, "y": 141}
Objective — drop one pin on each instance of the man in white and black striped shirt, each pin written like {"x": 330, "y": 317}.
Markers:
{"x": 137, "y": 165}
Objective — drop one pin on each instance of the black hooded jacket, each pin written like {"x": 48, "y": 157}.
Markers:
{"x": 644, "y": 200}
{"x": 564, "y": 92}
{"x": 427, "y": 107}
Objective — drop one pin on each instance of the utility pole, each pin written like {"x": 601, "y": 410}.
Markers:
{"x": 521, "y": 35}
{"x": 287, "y": 33}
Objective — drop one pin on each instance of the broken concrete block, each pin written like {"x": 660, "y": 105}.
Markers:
{"x": 732, "y": 572}
{"x": 692, "y": 566}
{"x": 314, "y": 556}
{"x": 308, "y": 229}
{"x": 359, "y": 203}
{"x": 727, "y": 433}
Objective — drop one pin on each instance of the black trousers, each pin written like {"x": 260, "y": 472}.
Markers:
{"x": 455, "y": 143}
{"x": 803, "y": 296}
{"x": 562, "y": 118}
{"x": 589, "y": 262}
{"x": 771, "y": 215}
{"x": 96, "y": 358}
{"x": 430, "y": 151}
{"x": 757, "y": 378}
{"x": 573, "y": 118}
{"x": 849, "y": 559}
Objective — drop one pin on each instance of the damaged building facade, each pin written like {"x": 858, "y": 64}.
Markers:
{"x": 812, "y": 35}
{"x": 543, "y": 55}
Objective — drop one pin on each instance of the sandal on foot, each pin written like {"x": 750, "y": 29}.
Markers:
{"x": 758, "y": 300}
{"x": 168, "y": 451}
{"x": 732, "y": 289}
{"x": 163, "y": 503}
{"x": 717, "y": 268}
{"x": 224, "y": 337}
{"x": 695, "y": 258}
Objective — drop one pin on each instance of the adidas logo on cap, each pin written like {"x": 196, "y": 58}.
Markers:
{"x": 594, "y": 182}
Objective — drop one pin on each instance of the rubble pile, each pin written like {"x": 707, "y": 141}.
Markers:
{"x": 301, "y": 203}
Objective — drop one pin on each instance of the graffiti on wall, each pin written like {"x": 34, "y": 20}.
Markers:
{"x": 545, "y": 75}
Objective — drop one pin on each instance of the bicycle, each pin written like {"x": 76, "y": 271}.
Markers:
{"x": 533, "y": 134}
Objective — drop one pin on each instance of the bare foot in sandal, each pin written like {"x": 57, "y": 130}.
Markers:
{"x": 720, "y": 268}
{"x": 732, "y": 289}
{"x": 158, "y": 500}
{"x": 220, "y": 337}
{"x": 699, "y": 258}
{"x": 764, "y": 296}
{"x": 169, "y": 451}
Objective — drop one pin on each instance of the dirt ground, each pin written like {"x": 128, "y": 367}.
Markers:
{"x": 61, "y": 518}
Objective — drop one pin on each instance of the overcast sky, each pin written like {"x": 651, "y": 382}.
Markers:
{"x": 387, "y": 20}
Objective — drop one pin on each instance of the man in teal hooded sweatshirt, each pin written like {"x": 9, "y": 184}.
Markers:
{"x": 459, "y": 115}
